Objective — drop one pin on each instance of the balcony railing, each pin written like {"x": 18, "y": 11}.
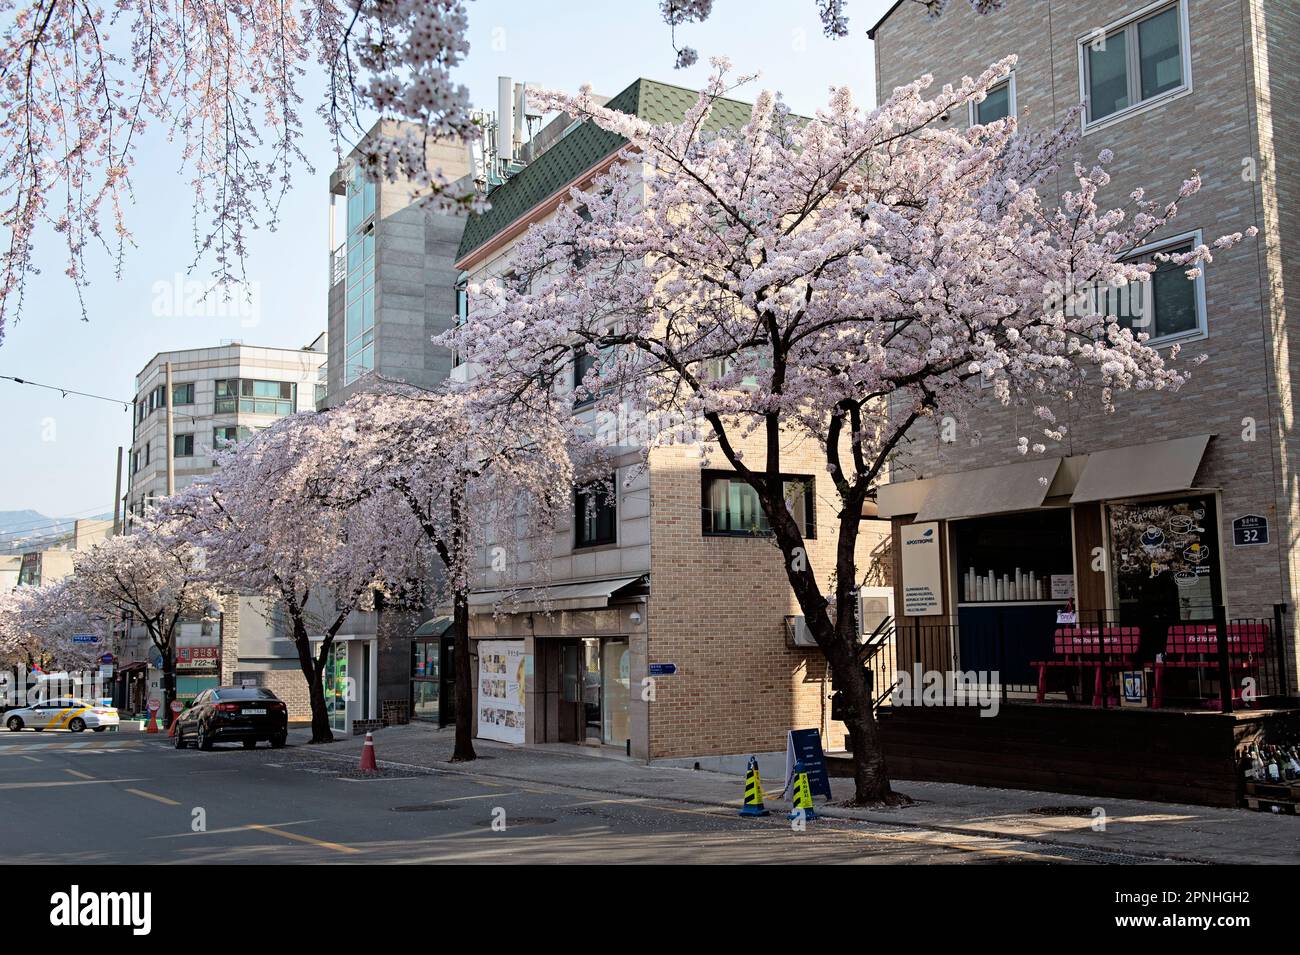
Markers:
{"x": 338, "y": 265}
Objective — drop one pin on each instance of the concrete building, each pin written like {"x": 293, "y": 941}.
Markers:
{"x": 218, "y": 395}
{"x": 668, "y": 578}
{"x": 1177, "y": 502}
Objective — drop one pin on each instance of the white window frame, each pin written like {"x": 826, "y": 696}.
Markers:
{"x": 1202, "y": 325}
{"x": 1134, "y": 71}
{"x": 972, "y": 107}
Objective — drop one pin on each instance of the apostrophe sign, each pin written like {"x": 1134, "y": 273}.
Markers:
{"x": 922, "y": 580}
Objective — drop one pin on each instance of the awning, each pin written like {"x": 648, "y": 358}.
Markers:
{"x": 583, "y": 596}
{"x": 434, "y": 627}
{"x": 1012, "y": 487}
{"x": 1141, "y": 469}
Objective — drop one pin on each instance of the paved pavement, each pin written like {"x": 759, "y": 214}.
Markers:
{"x": 118, "y": 798}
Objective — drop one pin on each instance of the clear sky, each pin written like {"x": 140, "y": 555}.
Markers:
{"x": 58, "y": 453}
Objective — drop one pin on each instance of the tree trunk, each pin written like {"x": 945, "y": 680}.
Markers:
{"x": 320, "y": 717}
{"x": 464, "y": 750}
{"x": 870, "y": 778}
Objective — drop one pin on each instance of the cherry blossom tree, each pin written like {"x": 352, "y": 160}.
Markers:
{"x": 832, "y": 13}
{"x": 81, "y": 84}
{"x": 149, "y": 578}
{"x": 480, "y": 489}
{"x": 267, "y": 530}
{"x": 840, "y": 279}
{"x": 37, "y": 624}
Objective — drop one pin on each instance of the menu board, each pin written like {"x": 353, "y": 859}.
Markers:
{"x": 1165, "y": 547}
{"x": 501, "y": 690}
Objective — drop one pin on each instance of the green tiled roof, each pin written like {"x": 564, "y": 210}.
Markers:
{"x": 584, "y": 147}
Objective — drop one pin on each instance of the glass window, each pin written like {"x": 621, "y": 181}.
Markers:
{"x": 1160, "y": 53}
{"x": 1135, "y": 63}
{"x": 731, "y": 506}
{"x": 183, "y": 445}
{"x": 1108, "y": 76}
{"x": 595, "y": 516}
{"x": 996, "y": 105}
{"x": 183, "y": 394}
{"x": 1169, "y": 304}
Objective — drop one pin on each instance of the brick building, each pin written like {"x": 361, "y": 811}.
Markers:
{"x": 1177, "y": 502}
{"x": 650, "y": 585}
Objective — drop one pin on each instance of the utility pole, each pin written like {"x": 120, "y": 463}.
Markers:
{"x": 117, "y": 494}
{"x": 171, "y": 437}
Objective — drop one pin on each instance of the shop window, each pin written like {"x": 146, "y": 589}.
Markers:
{"x": 595, "y": 515}
{"x": 1165, "y": 560}
{"x": 732, "y": 509}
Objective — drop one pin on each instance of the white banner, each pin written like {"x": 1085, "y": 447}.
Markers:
{"x": 501, "y": 690}
{"x": 922, "y": 580}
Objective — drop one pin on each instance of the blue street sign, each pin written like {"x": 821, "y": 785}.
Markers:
{"x": 85, "y": 638}
{"x": 663, "y": 669}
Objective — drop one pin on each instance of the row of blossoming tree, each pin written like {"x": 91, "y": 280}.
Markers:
{"x": 842, "y": 278}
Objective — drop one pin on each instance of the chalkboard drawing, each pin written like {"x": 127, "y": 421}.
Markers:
{"x": 1185, "y": 578}
{"x": 1199, "y": 515}
{"x": 1196, "y": 553}
{"x": 1152, "y": 538}
{"x": 1180, "y": 524}
{"x": 1157, "y": 569}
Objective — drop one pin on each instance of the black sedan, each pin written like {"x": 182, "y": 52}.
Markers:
{"x": 247, "y": 714}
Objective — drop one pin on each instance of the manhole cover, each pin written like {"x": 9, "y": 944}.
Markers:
{"x": 427, "y": 807}
{"x": 514, "y": 822}
{"x": 1062, "y": 811}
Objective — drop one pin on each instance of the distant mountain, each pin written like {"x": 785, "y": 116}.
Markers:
{"x": 32, "y": 530}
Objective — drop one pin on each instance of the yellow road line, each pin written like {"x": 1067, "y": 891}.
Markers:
{"x": 298, "y": 837}
{"x": 79, "y": 773}
{"x": 162, "y": 799}
{"x": 66, "y": 782}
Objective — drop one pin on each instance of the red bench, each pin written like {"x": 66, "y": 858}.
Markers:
{"x": 1196, "y": 647}
{"x": 1101, "y": 648}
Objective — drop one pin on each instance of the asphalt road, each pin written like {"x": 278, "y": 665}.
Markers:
{"x": 108, "y": 798}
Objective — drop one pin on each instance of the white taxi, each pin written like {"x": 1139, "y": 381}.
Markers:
{"x": 64, "y": 713}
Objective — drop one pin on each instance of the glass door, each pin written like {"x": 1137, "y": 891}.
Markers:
{"x": 426, "y": 679}
{"x": 591, "y": 690}
{"x": 335, "y": 680}
{"x": 615, "y": 691}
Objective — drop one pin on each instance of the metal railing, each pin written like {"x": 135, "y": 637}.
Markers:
{"x": 338, "y": 265}
{"x": 1194, "y": 668}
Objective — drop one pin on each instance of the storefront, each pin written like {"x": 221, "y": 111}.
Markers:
{"x": 1116, "y": 538}
{"x": 433, "y": 672}
{"x": 558, "y": 666}
{"x": 198, "y": 668}
{"x": 350, "y": 680}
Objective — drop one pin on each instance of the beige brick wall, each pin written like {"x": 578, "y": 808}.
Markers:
{"x": 1222, "y": 130}
{"x": 717, "y": 610}
{"x": 288, "y": 685}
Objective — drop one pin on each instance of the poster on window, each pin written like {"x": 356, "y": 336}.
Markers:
{"x": 501, "y": 690}
{"x": 1165, "y": 556}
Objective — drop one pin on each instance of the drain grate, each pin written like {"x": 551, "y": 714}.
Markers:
{"x": 425, "y": 807}
{"x": 514, "y": 822}
{"x": 1062, "y": 811}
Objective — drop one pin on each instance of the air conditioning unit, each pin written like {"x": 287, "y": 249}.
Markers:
{"x": 875, "y": 607}
{"x": 797, "y": 633}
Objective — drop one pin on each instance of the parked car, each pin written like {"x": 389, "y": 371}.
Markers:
{"x": 63, "y": 713}
{"x": 247, "y": 714}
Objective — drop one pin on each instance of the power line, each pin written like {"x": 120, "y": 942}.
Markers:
{"x": 126, "y": 405}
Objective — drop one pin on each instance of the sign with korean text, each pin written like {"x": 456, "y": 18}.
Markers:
{"x": 922, "y": 579}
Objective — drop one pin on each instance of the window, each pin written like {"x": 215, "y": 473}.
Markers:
{"x": 595, "y": 516}
{"x": 998, "y": 104}
{"x": 146, "y": 451}
{"x": 183, "y": 394}
{"x": 135, "y": 462}
{"x": 583, "y": 362}
{"x": 359, "y": 313}
{"x": 731, "y": 506}
{"x": 255, "y": 397}
{"x": 157, "y": 398}
{"x": 1169, "y": 305}
{"x": 183, "y": 445}
{"x": 1135, "y": 63}
{"x": 227, "y": 435}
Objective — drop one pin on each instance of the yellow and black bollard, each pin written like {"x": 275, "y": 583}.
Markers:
{"x": 753, "y": 791}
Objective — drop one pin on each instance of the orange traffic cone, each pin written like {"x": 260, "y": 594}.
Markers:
{"x": 171, "y": 730}
{"x": 152, "y": 725}
{"x": 368, "y": 755}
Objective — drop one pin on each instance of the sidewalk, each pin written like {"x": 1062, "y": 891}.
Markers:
{"x": 1161, "y": 830}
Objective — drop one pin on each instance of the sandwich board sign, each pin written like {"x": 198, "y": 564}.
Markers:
{"x": 805, "y": 746}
